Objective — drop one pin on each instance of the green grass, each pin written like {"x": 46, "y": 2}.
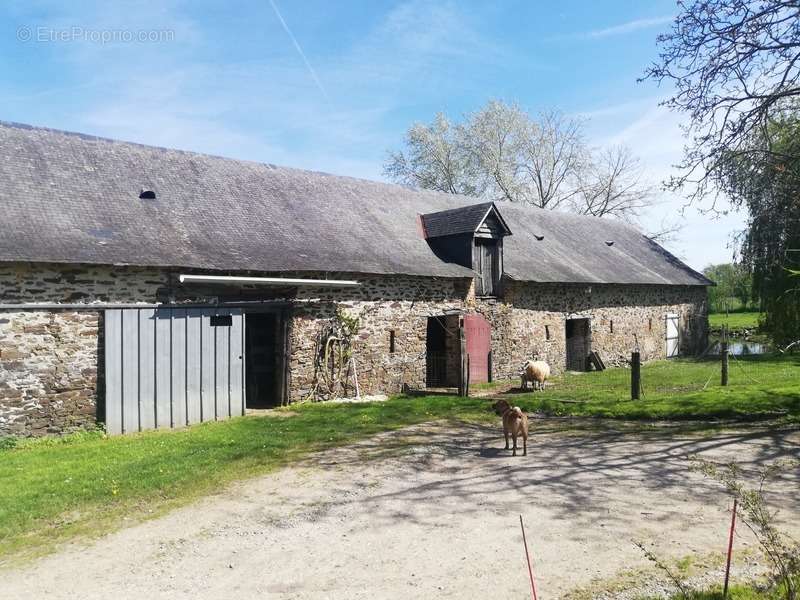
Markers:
{"x": 734, "y": 320}
{"x": 87, "y": 484}
{"x": 735, "y": 592}
{"x": 678, "y": 389}
{"x": 83, "y": 485}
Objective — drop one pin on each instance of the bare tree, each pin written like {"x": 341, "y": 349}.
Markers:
{"x": 492, "y": 138}
{"x": 435, "y": 159}
{"x": 612, "y": 185}
{"x": 501, "y": 153}
{"x": 733, "y": 64}
{"x": 554, "y": 156}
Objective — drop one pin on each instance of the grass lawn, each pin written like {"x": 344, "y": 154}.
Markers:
{"x": 759, "y": 386}
{"x": 735, "y": 592}
{"x": 59, "y": 488}
{"x": 87, "y": 484}
{"x": 734, "y": 320}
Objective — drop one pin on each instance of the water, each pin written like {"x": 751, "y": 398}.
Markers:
{"x": 742, "y": 348}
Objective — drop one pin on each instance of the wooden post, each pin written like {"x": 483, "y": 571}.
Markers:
{"x": 463, "y": 369}
{"x": 636, "y": 375}
{"x": 466, "y": 378}
{"x": 723, "y": 353}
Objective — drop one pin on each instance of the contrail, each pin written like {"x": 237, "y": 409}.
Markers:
{"x": 300, "y": 51}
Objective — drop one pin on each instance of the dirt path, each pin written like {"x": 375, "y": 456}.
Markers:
{"x": 437, "y": 519}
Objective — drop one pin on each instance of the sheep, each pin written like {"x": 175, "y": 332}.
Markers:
{"x": 535, "y": 371}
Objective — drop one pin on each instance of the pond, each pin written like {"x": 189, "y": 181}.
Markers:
{"x": 741, "y": 348}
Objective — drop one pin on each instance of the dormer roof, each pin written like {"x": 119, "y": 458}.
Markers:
{"x": 465, "y": 219}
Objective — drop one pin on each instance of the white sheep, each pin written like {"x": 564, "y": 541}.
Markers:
{"x": 535, "y": 371}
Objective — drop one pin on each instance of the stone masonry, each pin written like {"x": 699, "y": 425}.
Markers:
{"x": 51, "y": 360}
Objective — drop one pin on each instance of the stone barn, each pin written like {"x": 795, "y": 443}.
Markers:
{"x": 144, "y": 287}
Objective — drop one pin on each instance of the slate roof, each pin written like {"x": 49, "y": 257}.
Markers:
{"x": 456, "y": 221}
{"x": 72, "y": 198}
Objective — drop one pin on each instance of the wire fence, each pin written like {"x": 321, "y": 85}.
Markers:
{"x": 682, "y": 375}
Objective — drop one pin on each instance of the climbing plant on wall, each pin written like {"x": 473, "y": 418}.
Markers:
{"x": 333, "y": 356}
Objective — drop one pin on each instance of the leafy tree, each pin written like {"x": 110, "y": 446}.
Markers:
{"x": 734, "y": 66}
{"x": 500, "y": 152}
{"x": 768, "y": 184}
{"x": 734, "y": 283}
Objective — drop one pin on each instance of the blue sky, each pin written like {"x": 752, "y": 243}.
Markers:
{"x": 334, "y": 86}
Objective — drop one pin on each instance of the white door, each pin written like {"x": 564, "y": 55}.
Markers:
{"x": 673, "y": 337}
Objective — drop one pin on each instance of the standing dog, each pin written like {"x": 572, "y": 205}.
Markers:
{"x": 515, "y": 424}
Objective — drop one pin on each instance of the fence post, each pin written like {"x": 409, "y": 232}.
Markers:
{"x": 463, "y": 370}
{"x": 723, "y": 353}
{"x": 636, "y": 375}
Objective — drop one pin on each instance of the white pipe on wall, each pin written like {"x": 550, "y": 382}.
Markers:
{"x": 267, "y": 280}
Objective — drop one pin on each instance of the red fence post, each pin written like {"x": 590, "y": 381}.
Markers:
{"x": 730, "y": 551}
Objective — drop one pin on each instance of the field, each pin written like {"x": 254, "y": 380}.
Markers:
{"x": 734, "y": 320}
{"x": 678, "y": 389}
{"x": 87, "y": 484}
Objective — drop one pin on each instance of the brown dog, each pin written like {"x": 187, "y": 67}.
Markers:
{"x": 515, "y": 423}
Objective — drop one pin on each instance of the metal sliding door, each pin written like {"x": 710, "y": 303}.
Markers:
{"x": 170, "y": 367}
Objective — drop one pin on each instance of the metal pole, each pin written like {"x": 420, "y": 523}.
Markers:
{"x": 528, "y": 558}
{"x": 730, "y": 551}
{"x": 636, "y": 375}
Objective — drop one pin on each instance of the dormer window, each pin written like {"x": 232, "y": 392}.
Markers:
{"x": 487, "y": 266}
{"x": 471, "y": 236}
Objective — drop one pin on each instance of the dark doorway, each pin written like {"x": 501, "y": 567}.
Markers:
{"x": 263, "y": 364}
{"x": 436, "y": 352}
{"x": 578, "y": 344}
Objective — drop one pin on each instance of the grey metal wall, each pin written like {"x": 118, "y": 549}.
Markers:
{"x": 169, "y": 367}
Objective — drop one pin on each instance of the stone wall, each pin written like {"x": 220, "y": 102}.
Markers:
{"x": 382, "y": 304}
{"x": 48, "y": 371}
{"x": 528, "y": 312}
{"x": 51, "y": 360}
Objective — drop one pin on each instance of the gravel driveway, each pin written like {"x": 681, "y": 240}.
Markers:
{"x": 436, "y": 518}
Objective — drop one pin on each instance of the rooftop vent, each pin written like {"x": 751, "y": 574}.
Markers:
{"x": 609, "y": 243}
{"x": 147, "y": 195}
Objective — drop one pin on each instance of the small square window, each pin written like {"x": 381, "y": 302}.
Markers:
{"x": 221, "y": 320}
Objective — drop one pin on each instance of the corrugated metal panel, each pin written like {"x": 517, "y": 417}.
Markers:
{"x": 172, "y": 367}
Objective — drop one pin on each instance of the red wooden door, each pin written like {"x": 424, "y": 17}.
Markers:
{"x": 478, "y": 336}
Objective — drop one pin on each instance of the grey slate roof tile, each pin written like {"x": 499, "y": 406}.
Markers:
{"x": 74, "y": 198}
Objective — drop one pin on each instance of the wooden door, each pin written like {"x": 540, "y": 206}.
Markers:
{"x": 478, "y": 334}
{"x": 672, "y": 336}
